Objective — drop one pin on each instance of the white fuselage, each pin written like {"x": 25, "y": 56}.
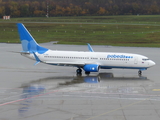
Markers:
{"x": 105, "y": 60}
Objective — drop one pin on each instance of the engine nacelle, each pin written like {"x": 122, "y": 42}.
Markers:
{"x": 92, "y": 79}
{"x": 91, "y": 68}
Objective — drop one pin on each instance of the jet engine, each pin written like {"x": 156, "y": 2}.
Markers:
{"x": 91, "y": 68}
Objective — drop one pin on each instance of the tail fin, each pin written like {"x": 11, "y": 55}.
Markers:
{"x": 28, "y": 42}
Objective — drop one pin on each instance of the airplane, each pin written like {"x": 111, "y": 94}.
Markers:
{"x": 89, "y": 61}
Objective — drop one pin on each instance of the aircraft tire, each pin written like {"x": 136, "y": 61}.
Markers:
{"x": 87, "y": 73}
{"x": 140, "y": 72}
{"x": 79, "y": 71}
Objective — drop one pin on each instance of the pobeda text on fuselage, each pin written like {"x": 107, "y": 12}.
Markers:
{"x": 88, "y": 61}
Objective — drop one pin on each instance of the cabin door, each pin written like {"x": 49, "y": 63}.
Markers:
{"x": 136, "y": 60}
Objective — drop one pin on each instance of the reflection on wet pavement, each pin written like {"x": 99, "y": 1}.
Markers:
{"x": 94, "y": 86}
{"x": 28, "y": 95}
{"x": 103, "y": 83}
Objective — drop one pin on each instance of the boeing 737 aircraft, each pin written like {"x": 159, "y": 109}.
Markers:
{"x": 88, "y": 61}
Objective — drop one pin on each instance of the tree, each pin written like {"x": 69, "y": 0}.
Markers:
{"x": 101, "y": 11}
{"x": 39, "y": 13}
{"x": 154, "y": 8}
{"x": 25, "y": 8}
{"x": 2, "y": 11}
{"x": 14, "y": 9}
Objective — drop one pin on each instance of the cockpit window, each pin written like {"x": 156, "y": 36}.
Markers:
{"x": 144, "y": 59}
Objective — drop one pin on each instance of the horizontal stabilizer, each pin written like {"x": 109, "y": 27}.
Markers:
{"x": 37, "y": 59}
{"x": 37, "y": 62}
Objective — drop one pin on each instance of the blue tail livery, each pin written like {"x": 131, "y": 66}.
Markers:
{"x": 28, "y": 42}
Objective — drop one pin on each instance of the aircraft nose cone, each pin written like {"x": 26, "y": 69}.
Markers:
{"x": 152, "y": 63}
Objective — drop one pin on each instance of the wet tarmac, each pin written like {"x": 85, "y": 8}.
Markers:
{"x": 48, "y": 92}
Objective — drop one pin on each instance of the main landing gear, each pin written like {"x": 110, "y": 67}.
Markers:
{"x": 79, "y": 72}
{"x": 87, "y": 73}
{"x": 139, "y": 72}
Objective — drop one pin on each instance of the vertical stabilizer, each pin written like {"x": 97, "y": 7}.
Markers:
{"x": 28, "y": 42}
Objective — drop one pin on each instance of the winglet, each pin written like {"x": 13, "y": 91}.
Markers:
{"x": 37, "y": 59}
{"x": 90, "y": 48}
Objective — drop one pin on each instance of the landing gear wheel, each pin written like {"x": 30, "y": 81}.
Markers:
{"x": 79, "y": 71}
{"x": 140, "y": 72}
{"x": 87, "y": 73}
